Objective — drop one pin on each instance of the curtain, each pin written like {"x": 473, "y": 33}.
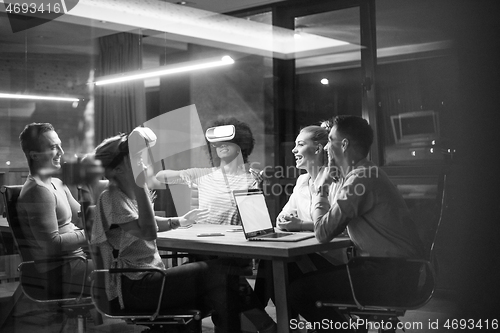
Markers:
{"x": 121, "y": 106}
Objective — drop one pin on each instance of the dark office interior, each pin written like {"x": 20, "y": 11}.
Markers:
{"x": 424, "y": 73}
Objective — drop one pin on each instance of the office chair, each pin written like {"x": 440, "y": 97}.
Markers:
{"x": 181, "y": 320}
{"x": 382, "y": 305}
{"x": 37, "y": 286}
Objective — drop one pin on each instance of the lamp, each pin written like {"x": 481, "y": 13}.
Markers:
{"x": 164, "y": 70}
{"x": 36, "y": 97}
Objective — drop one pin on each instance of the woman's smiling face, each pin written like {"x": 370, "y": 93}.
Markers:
{"x": 305, "y": 151}
{"x": 226, "y": 150}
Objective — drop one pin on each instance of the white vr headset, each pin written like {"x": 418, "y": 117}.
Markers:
{"x": 220, "y": 133}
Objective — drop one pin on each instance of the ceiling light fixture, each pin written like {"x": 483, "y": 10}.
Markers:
{"x": 192, "y": 25}
{"x": 37, "y": 97}
{"x": 164, "y": 70}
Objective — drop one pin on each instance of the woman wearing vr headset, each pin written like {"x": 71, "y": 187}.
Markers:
{"x": 125, "y": 223}
{"x": 230, "y": 172}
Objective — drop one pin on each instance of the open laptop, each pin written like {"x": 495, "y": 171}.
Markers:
{"x": 255, "y": 219}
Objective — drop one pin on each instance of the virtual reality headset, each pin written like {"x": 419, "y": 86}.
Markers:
{"x": 220, "y": 133}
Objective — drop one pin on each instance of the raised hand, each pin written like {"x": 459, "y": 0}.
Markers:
{"x": 323, "y": 181}
{"x": 139, "y": 141}
{"x": 192, "y": 216}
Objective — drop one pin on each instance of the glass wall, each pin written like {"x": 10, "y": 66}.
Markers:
{"x": 283, "y": 78}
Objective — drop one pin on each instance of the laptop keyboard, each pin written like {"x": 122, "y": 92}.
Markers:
{"x": 276, "y": 235}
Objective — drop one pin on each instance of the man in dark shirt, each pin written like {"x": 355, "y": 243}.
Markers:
{"x": 369, "y": 206}
{"x": 48, "y": 213}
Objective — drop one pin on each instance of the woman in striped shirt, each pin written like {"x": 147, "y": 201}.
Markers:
{"x": 230, "y": 172}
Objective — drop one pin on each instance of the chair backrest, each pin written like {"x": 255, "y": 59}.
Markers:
{"x": 11, "y": 194}
{"x": 415, "y": 282}
{"x": 98, "y": 287}
{"x": 88, "y": 208}
{"x": 409, "y": 285}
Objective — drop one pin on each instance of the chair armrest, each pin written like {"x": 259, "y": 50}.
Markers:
{"x": 62, "y": 259}
{"x": 94, "y": 273}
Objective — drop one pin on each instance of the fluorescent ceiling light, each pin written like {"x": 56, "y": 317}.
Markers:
{"x": 35, "y": 97}
{"x": 164, "y": 70}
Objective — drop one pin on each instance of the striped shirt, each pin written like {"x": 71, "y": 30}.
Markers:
{"x": 215, "y": 192}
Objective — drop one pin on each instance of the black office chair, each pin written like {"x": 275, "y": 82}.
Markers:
{"x": 384, "y": 302}
{"x": 40, "y": 287}
{"x": 181, "y": 320}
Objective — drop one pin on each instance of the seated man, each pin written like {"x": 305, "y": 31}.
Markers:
{"x": 369, "y": 205}
{"x": 48, "y": 214}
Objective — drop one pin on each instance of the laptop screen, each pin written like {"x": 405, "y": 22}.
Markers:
{"x": 253, "y": 211}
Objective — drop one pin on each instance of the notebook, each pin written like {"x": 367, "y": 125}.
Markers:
{"x": 255, "y": 219}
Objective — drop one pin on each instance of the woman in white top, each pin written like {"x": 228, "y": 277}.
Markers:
{"x": 296, "y": 214}
{"x": 230, "y": 172}
{"x": 309, "y": 156}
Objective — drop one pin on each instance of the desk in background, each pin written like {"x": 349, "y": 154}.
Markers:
{"x": 10, "y": 291}
{"x": 4, "y": 225}
{"x": 7, "y": 242}
{"x": 234, "y": 244}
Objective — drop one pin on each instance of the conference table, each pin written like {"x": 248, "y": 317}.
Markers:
{"x": 232, "y": 243}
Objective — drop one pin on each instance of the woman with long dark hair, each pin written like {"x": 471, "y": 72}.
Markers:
{"x": 125, "y": 224}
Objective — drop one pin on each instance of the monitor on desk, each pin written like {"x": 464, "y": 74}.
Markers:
{"x": 418, "y": 126}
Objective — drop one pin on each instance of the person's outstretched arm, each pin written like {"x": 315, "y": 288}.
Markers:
{"x": 170, "y": 223}
{"x": 169, "y": 176}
